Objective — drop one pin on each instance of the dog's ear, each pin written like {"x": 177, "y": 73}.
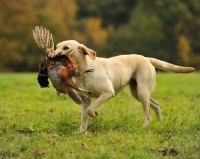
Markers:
{"x": 91, "y": 53}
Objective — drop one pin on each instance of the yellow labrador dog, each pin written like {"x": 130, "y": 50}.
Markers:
{"x": 111, "y": 75}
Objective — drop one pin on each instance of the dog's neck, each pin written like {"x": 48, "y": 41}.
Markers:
{"x": 85, "y": 63}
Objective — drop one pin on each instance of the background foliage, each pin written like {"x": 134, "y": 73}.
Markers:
{"x": 168, "y": 30}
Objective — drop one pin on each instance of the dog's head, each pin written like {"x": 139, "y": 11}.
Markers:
{"x": 74, "y": 49}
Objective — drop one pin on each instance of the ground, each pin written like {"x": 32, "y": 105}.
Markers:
{"x": 35, "y": 123}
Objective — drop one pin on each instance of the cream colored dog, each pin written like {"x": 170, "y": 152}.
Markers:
{"x": 111, "y": 75}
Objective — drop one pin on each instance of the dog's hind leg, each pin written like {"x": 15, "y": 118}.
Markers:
{"x": 142, "y": 95}
{"x": 133, "y": 88}
{"x": 155, "y": 106}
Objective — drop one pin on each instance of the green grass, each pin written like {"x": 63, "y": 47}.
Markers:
{"x": 34, "y": 123}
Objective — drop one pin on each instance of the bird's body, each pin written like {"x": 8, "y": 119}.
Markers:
{"x": 60, "y": 70}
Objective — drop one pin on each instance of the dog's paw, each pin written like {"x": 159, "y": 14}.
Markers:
{"x": 92, "y": 113}
{"x": 82, "y": 129}
{"x": 146, "y": 123}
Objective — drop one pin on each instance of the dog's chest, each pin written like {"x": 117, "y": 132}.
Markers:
{"x": 80, "y": 81}
{"x": 85, "y": 81}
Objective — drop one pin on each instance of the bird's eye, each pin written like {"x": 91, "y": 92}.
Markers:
{"x": 65, "y": 48}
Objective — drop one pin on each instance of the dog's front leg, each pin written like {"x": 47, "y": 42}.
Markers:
{"x": 84, "y": 115}
{"x": 91, "y": 110}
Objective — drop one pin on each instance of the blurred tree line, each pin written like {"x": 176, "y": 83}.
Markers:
{"x": 168, "y": 30}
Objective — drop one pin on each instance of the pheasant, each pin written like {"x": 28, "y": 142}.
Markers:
{"x": 59, "y": 69}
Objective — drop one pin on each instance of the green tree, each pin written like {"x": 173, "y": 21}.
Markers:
{"x": 192, "y": 32}
{"x": 153, "y": 29}
{"x": 112, "y": 12}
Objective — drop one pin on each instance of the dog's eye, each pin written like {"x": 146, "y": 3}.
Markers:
{"x": 65, "y": 48}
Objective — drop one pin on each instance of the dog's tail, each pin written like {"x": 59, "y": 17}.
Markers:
{"x": 170, "y": 67}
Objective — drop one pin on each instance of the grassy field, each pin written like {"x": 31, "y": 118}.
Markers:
{"x": 35, "y": 123}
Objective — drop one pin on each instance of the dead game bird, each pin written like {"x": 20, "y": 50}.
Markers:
{"x": 61, "y": 73}
{"x": 59, "y": 69}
